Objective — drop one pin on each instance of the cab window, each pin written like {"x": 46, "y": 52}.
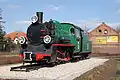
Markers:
{"x": 72, "y": 31}
{"x": 77, "y": 32}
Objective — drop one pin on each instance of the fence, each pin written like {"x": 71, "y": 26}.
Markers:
{"x": 106, "y": 48}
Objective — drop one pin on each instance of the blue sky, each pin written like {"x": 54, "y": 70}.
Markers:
{"x": 90, "y": 13}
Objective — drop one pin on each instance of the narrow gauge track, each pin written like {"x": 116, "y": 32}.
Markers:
{"x": 28, "y": 68}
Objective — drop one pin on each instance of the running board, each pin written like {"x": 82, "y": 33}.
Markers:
{"x": 76, "y": 56}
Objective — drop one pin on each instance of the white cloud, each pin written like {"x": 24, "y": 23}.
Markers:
{"x": 118, "y": 11}
{"x": 13, "y": 6}
{"x": 118, "y": 1}
{"x": 3, "y": 0}
{"x": 53, "y": 7}
{"x": 114, "y": 25}
{"x": 23, "y": 22}
{"x": 92, "y": 23}
{"x": 89, "y": 24}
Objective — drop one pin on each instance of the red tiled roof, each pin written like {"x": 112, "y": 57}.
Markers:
{"x": 14, "y": 35}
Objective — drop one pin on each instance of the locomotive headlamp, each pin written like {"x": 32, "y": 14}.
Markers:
{"x": 47, "y": 39}
{"x": 21, "y": 40}
{"x": 34, "y": 19}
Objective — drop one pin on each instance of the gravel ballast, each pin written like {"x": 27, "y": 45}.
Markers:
{"x": 68, "y": 71}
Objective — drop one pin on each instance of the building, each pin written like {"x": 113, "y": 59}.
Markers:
{"x": 105, "y": 40}
{"x": 14, "y": 36}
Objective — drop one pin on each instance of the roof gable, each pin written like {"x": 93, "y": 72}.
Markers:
{"x": 100, "y": 30}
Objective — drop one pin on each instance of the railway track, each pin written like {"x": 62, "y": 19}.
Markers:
{"x": 26, "y": 68}
{"x": 30, "y": 67}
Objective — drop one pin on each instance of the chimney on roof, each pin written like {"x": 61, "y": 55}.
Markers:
{"x": 103, "y": 22}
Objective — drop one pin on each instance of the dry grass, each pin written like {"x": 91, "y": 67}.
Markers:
{"x": 102, "y": 72}
{"x": 117, "y": 76}
{"x": 9, "y": 58}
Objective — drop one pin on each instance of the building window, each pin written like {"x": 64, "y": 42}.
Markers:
{"x": 100, "y": 30}
{"x": 105, "y": 31}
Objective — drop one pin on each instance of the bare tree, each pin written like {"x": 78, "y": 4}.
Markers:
{"x": 86, "y": 30}
{"x": 118, "y": 28}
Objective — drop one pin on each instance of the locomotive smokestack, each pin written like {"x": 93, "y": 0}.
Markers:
{"x": 40, "y": 16}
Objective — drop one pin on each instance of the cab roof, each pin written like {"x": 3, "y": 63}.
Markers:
{"x": 74, "y": 26}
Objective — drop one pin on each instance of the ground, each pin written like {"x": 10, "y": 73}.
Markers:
{"x": 117, "y": 76}
{"x": 103, "y": 72}
{"x": 108, "y": 71}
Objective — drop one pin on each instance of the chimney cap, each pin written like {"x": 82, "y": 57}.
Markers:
{"x": 103, "y": 22}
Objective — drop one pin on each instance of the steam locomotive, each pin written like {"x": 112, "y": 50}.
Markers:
{"x": 52, "y": 42}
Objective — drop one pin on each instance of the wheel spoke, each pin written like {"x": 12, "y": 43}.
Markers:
{"x": 63, "y": 56}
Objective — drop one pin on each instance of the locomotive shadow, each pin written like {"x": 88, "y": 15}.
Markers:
{"x": 32, "y": 67}
{"x": 79, "y": 59}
